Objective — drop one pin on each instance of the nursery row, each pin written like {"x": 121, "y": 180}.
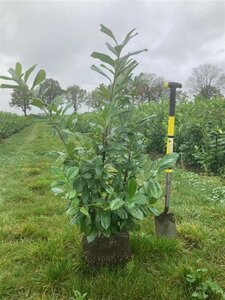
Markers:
{"x": 11, "y": 123}
{"x": 199, "y": 132}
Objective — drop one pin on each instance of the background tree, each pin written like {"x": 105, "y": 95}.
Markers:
{"x": 21, "y": 98}
{"x": 149, "y": 87}
{"x": 94, "y": 98}
{"x": 207, "y": 80}
{"x": 49, "y": 89}
{"x": 181, "y": 96}
{"x": 76, "y": 96}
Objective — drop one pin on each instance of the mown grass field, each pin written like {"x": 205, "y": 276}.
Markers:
{"x": 41, "y": 254}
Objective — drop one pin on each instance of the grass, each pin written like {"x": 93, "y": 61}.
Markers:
{"x": 41, "y": 254}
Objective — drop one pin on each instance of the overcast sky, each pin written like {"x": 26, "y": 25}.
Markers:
{"x": 59, "y": 36}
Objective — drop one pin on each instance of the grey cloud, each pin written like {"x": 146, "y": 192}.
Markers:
{"x": 60, "y": 36}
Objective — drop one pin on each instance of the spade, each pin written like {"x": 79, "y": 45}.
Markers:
{"x": 165, "y": 222}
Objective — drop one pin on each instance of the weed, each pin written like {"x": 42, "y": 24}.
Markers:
{"x": 217, "y": 195}
{"x": 203, "y": 287}
{"x": 79, "y": 296}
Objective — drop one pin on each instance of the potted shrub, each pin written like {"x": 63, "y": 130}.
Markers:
{"x": 98, "y": 171}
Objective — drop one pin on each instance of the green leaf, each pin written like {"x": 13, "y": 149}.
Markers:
{"x": 105, "y": 219}
{"x": 129, "y": 36}
{"x": 57, "y": 190}
{"x": 13, "y": 73}
{"x": 39, "y": 78}
{"x": 8, "y": 86}
{"x": 122, "y": 213}
{"x": 155, "y": 189}
{"x": 70, "y": 148}
{"x": 136, "y": 213}
{"x": 70, "y": 211}
{"x": 124, "y": 73}
{"x": 77, "y": 218}
{"x": 38, "y": 103}
{"x": 118, "y": 48}
{"x": 116, "y": 204}
{"x": 103, "y": 57}
{"x": 56, "y": 171}
{"x": 96, "y": 69}
{"x": 140, "y": 199}
{"x": 132, "y": 53}
{"x": 84, "y": 211}
{"x": 6, "y": 78}
{"x": 107, "y": 31}
{"x": 98, "y": 172}
{"x": 70, "y": 195}
{"x": 18, "y": 69}
{"x": 72, "y": 172}
{"x": 28, "y": 72}
{"x": 87, "y": 176}
{"x": 168, "y": 161}
{"x": 92, "y": 236}
{"x": 112, "y": 49}
{"x": 154, "y": 211}
{"x": 103, "y": 66}
{"x": 132, "y": 187}
{"x": 107, "y": 233}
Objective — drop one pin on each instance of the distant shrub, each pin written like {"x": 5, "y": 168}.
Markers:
{"x": 199, "y": 132}
{"x": 84, "y": 122}
{"x": 12, "y": 123}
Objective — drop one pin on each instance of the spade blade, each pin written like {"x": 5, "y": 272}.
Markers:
{"x": 165, "y": 225}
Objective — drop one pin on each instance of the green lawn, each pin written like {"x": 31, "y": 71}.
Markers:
{"x": 41, "y": 255}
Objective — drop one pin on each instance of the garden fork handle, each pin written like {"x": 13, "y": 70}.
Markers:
{"x": 170, "y": 135}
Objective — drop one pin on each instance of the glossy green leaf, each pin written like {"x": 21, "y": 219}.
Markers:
{"x": 116, "y": 204}
{"x": 56, "y": 171}
{"x": 8, "y": 86}
{"x": 107, "y": 233}
{"x": 112, "y": 49}
{"x": 39, "y": 78}
{"x": 168, "y": 161}
{"x": 87, "y": 176}
{"x": 105, "y": 219}
{"x": 92, "y": 236}
{"x": 132, "y": 187}
{"x": 70, "y": 211}
{"x": 77, "y": 218}
{"x": 98, "y": 172}
{"x": 70, "y": 195}
{"x": 72, "y": 172}
{"x": 6, "y": 78}
{"x": 111, "y": 71}
{"x": 129, "y": 36}
{"x": 70, "y": 148}
{"x": 132, "y": 53}
{"x": 118, "y": 48}
{"x": 140, "y": 199}
{"x": 28, "y": 72}
{"x": 13, "y": 73}
{"x": 136, "y": 213}
{"x": 18, "y": 69}
{"x": 103, "y": 57}
{"x": 96, "y": 69}
{"x": 38, "y": 103}
{"x": 84, "y": 211}
{"x": 57, "y": 190}
{"x": 155, "y": 189}
{"x": 107, "y": 31}
{"x": 121, "y": 213}
{"x": 154, "y": 211}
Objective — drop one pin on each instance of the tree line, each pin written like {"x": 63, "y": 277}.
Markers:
{"x": 206, "y": 81}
